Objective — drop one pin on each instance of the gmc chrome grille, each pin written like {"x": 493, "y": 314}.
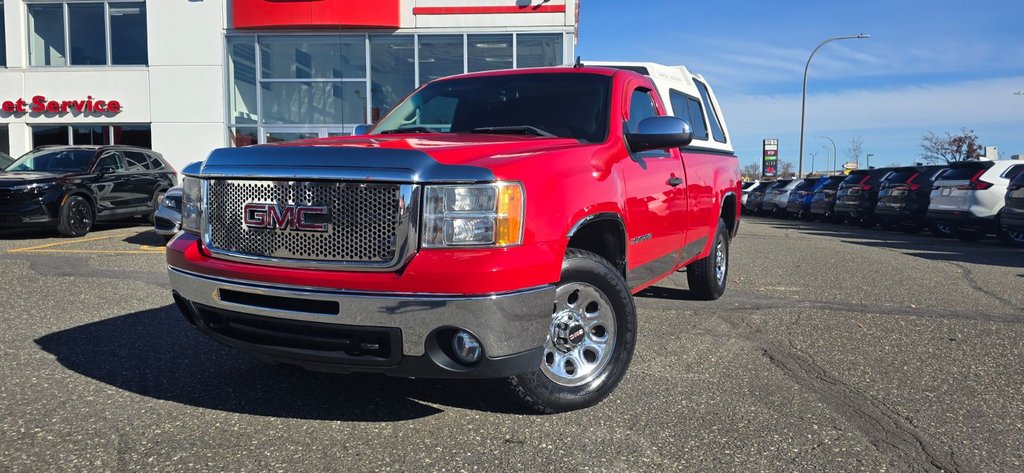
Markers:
{"x": 357, "y": 223}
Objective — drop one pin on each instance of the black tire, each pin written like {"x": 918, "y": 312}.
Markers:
{"x": 76, "y": 217}
{"x": 969, "y": 235}
{"x": 157, "y": 198}
{"x": 705, "y": 280}
{"x": 537, "y": 389}
{"x": 941, "y": 230}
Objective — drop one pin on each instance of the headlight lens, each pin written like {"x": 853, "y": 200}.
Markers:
{"x": 173, "y": 203}
{"x": 191, "y": 204}
{"x": 474, "y": 215}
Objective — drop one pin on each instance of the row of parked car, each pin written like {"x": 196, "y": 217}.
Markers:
{"x": 969, "y": 200}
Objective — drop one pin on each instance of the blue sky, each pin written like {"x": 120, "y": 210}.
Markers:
{"x": 929, "y": 66}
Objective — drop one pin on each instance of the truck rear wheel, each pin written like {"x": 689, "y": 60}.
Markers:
{"x": 708, "y": 276}
{"x": 590, "y": 341}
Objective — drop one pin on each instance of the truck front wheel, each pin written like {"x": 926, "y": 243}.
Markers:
{"x": 590, "y": 340}
{"x": 708, "y": 276}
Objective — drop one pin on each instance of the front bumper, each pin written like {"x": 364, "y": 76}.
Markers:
{"x": 305, "y": 327}
{"x": 34, "y": 214}
{"x": 167, "y": 221}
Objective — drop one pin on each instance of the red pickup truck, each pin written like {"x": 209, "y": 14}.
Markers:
{"x": 492, "y": 225}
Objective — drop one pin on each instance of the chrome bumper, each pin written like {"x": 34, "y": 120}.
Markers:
{"x": 506, "y": 324}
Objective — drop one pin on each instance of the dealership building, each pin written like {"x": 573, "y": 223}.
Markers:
{"x": 187, "y": 76}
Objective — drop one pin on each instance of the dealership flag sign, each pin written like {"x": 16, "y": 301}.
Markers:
{"x": 770, "y": 163}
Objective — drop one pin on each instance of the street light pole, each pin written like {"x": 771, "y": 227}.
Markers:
{"x": 833, "y": 150}
{"x": 869, "y": 160}
{"x": 813, "y": 155}
{"x": 803, "y": 100}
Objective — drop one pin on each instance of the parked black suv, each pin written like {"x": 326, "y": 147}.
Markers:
{"x": 71, "y": 187}
{"x": 824, "y": 201}
{"x": 903, "y": 197}
{"x": 857, "y": 195}
{"x": 1012, "y": 218}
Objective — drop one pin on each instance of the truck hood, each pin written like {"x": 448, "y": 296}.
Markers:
{"x": 394, "y": 158}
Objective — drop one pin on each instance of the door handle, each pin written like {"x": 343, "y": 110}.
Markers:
{"x": 675, "y": 181}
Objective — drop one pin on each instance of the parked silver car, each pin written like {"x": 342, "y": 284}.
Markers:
{"x": 776, "y": 199}
{"x": 167, "y": 219}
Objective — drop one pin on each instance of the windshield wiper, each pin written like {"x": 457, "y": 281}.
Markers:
{"x": 410, "y": 129}
{"x": 527, "y": 129}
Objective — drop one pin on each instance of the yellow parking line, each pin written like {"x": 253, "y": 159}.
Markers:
{"x": 102, "y": 252}
{"x": 70, "y": 242}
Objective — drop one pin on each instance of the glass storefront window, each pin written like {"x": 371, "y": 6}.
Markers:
{"x": 279, "y": 136}
{"x": 90, "y": 135}
{"x": 128, "y": 37}
{"x": 440, "y": 56}
{"x": 133, "y": 135}
{"x": 242, "y": 78}
{"x": 88, "y": 36}
{"x": 538, "y": 50}
{"x": 5, "y": 140}
{"x": 46, "y": 35}
{"x": 394, "y": 73}
{"x": 244, "y": 137}
{"x": 85, "y": 34}
{"x": 3, "y": 39}
{"x": 50, "y": 135}
{"x": 323, "y": 57}
{"x": 488, "y": 52}
{"x": 313, "y": 102}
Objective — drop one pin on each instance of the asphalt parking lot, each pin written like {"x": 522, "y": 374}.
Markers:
{"x": 835, "y": 348}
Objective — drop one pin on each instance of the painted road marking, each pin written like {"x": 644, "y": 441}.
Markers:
{"x": 49, "y": 247}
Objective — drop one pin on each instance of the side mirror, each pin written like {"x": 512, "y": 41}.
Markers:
{"x": 660, "y": 133}
{"x": 361, "y": 130}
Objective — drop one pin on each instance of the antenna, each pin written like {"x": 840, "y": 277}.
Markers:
{"x": 579, "y": 62}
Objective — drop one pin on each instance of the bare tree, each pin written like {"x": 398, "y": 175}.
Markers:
{"x": 856, "y": 149}
{"x": 785, "y": 170}
{"x": 937, "y": 149}
{"x": 751, "y": 171}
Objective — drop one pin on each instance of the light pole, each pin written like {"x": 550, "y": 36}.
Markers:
{"x": 833, "y": 150}
{"x": 812, "y": 163}
{"x": 869, "y": 160}
{"x": 803, "y": 100}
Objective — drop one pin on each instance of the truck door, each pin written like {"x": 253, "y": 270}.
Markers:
{"x": 655, "y": 199}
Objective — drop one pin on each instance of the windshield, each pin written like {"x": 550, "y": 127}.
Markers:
{"x": 962, "y": 173}
{"x": 569, "y": 105}
{"x": 64, "y": 160}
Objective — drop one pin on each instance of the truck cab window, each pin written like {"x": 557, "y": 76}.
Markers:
{"x": 641, "y": 106}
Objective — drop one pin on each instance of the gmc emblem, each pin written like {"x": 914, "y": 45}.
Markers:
{"x": 302, "y": 218}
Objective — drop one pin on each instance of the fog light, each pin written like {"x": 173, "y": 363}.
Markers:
{"x": 466, "y": 347}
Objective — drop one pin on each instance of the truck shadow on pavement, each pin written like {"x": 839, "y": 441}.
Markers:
{"x": 923, "y": 245}
{"x": 155, "y": 353}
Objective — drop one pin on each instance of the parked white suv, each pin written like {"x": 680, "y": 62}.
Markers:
{"x": 747, "y": 187}
{"x": 971, "y": 195}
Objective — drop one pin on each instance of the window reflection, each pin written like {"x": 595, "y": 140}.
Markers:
{"x": 488, "y": 52}
{"x": 242, "y": 74}
{"x": 314, "y": 102}
{"x": 538, "y": 50}
{"x": 394, "y": 73}
{"x": 286, "y": 57}
{"x": 46, "y": 35}
{"x": 440, "y": 56}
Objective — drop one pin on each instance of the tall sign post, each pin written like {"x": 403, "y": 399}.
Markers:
{"x": 770, "y": 161}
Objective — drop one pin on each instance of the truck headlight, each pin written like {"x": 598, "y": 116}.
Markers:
{"x": 473, "y": 215}
{"x": 191, "y": 204}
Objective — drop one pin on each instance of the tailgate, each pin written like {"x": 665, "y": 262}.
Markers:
{"x": 946, "y": 196}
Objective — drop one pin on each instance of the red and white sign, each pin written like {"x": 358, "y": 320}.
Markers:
{"x": 42, "y": 105}
{"x": 316, "y": 13}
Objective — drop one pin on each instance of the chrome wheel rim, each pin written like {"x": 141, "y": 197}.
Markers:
{"x": 721, "y": 261}
{"x": 1017, "y": 236}
{"x": 80, "y": 216}
{"x": 581, "y": 336}
{"x": 946, "y": 229}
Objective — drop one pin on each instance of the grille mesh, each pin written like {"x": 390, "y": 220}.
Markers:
{"x": 363, "y": 220}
